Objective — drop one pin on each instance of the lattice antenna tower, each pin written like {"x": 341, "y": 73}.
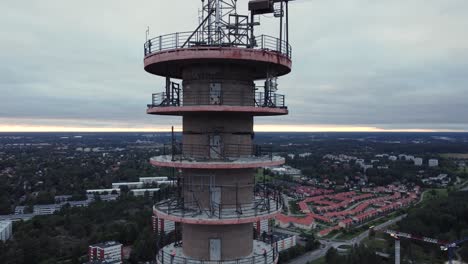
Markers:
{"x": 216, "y": 13}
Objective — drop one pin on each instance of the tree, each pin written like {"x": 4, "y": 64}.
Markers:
{"x": 332, "y": 256}
{"x": 45, "y": 198}
{"x": 5, "y": 205}
{"x": 124, "y": 189}
{"x": 310, "y": 242}
{"x": 445, "y": 218}
{"x": 64, "y": 236}
{"x": 145, "y": 247}
{"x": 29, "y": 209}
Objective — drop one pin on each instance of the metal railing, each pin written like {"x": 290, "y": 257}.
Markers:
{"x": 193, "y": 209}
{"x": 272, "y": 100}
{"x": 180, "y": 40}
{"x": 269, "y": 256}
{"x": 230, "y": 98}
{"x": 203, "y": 152}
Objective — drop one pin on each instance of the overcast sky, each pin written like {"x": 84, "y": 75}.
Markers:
{"x": 357, "y": 64}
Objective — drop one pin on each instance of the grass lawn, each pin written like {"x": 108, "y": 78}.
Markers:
{"x": 349, "y": 235}
{"x": 352, "y": 233}
{"x": 428, "y": 195}
{"x": 455, "y": 155}
{"x": 378, "y": 242}
{"x": 331, "y": 234}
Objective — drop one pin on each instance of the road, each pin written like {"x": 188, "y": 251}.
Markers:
{"x": 465, "y": 188}
{"x": 328, "y": 243}
{"x": 286, "y": 231}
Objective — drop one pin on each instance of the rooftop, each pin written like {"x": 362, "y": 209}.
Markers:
{"x": 106, "y": 244}
{"x": 4, "y": 223}
{"x": 159, "y": 178}
{"x": 126, "y": 183}
{"x": 145, "y": 190}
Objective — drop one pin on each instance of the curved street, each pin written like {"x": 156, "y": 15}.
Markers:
{"x": 328, "y": 243}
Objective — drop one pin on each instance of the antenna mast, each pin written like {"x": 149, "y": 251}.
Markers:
{"x": 217, "y": 14}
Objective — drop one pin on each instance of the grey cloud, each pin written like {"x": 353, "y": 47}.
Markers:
{"x": 392, "y": 64}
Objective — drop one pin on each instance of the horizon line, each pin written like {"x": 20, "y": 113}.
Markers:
{"x": 258, "y": 128}
{"x": 291, "y": 131}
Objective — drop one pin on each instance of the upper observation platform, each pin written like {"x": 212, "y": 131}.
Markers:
{"x": 168, "y": 55}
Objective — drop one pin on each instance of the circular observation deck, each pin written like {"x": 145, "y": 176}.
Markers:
{"x": 252, "y": 103}
{"x": 219, "y": 214}
{"x": 168, "y": 55}
{"x": 179, "y": 161}
{"x": 263, "y": 253}
{"x": 181, "y": 110}
{"x": 227, "y": 156}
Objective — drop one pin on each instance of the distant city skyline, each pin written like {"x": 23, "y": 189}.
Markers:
{"x": 357, "y": 65}
{"x": 257, "y": 128}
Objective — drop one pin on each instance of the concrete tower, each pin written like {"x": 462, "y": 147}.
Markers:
{"x": 218, "y": 65}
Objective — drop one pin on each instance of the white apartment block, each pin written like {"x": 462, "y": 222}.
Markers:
{"x": 262, "y": 226}
{"x": 162, "y": 226}
{"x": 6, "y": 230}
{"x": 143, "y": 181}
{"x": 433, "y": 163}
{"x": 103, "y": 191}
{"x": 141, "y": 192}
{"x": 285, "y": 242}
{"x": 169, "y": 182}
{"x": 45, "y": 209}
{"x": 153, "y": 179}
{"x": 418, "y": 161}
{"x": 109, "y": 251}
{"x": 130, "y": 185}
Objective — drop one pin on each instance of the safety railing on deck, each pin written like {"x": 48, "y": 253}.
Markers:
{"x": 260, "y": 206}
{"x": 204, "y": 152}
{"x": 169, "y": 257}
{"x": 230, "y": 98}
{"x": 180, "y": 40}
{"x": 273, "y": 100}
